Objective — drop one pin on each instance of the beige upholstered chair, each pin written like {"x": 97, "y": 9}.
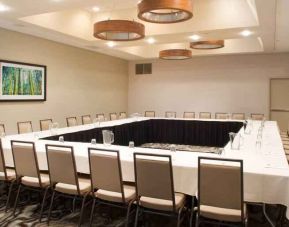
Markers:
{"x": 45, "y": 124}
{"x": 100, "y": 117}
{"x": 2, "y": 130}
{"x": 63, "y": 176}
{"x": 170, "y": 114}
{"x": 150, "y": 113}
{"x": 221, "y": 115}
{"x": 155, "y": 186}
{"x": 113, "y": 116}
{"x": 220, "y": 191}
{"x": 238, "y": 116}
{"x": 86, "y": 119}
{"x": 106, "y": 181}
{"x": 24, "y": 127}
{"x": 7, "y": 176}
{"x": 205, "y": 115}
{"x": 122, "y": 115}
{"x": 71, "y": 121}
{"x": 189, "y": 114}
{"x": 27, "y": 170}
{"x": 257, "y": 116}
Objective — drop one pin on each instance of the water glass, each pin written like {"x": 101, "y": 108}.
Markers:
{"x": 61, "y": 139}
{"x": 131, "y": 144}
{"x": 93, "y": 141}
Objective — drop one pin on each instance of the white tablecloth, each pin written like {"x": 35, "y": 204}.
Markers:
{"x": 266, "y": 171}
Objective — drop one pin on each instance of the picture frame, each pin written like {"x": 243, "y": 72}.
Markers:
{"x": 21, "y": 81}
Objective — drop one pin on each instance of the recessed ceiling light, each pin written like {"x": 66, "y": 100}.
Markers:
{"x": 4, "y": 8}
{"x": 246, "y": 33}
{"x": 151, "y": 40}
{"x": 195, "y": 37}
{"x": 110, "y": 44}
{"x": 95, "y": 9}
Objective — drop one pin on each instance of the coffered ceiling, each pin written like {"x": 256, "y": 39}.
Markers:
{"x": 71, "y": 22}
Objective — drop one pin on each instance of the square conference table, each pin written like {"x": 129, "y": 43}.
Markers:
{"x": 266, "y": 171}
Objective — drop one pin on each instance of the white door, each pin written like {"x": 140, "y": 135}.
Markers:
{"x": 279, "y": 102}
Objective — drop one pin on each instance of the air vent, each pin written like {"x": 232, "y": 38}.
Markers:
{"x": 141, "y": 69}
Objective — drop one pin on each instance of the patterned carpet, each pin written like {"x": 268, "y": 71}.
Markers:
{"x": 28, "y": 213}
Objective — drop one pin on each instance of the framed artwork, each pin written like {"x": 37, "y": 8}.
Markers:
{"x": 22, "y": 81}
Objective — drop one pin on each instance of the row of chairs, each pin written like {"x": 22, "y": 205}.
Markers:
{"x": 26, "y": 126}
{"x": 208, "y": 115}
{"x": 219, "y": 200}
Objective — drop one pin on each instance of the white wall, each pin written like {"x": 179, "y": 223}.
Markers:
{"x": 238, "y": 83}
{"x": 79, "y": 82}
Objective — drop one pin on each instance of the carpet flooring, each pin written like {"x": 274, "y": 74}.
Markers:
{"x": 27, "y": 215}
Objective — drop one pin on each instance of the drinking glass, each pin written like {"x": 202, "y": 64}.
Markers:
{"x": 93, "y": 141}
{"x": 131, "y": 144}
{"x": 61, "y": 139}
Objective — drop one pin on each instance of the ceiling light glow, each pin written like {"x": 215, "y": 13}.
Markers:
{"x": 111, "y": 44}
{"x": 246, "y": 33}
{"x": 151, "y": 40}
{"x": 95, "y": 9}
{"x": 4, "y": 8}
{"x": 195, "y": 37}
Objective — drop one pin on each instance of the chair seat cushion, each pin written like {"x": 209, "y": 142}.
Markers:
{"x": 221, "y": 214}
{"x": 34, "y": 182}
{"x": 11, "y": 175}
{"x": 162, "y": 204}
{"x": 285, "y": 142}
{"x": 286, "y": 152}
{"x": 84, "y": 187}
{"x": 129, "y": 194}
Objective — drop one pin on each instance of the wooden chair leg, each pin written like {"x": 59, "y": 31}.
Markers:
{"x": 128, "y": 213}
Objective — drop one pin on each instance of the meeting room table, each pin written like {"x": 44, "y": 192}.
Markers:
{"x": 266, "y": 171}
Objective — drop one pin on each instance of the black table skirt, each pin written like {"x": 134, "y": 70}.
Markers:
{"x": 188, "y": 132}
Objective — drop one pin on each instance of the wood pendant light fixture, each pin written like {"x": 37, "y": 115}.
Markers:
{"x": 175, "y": 54}
{"x": 207, "y": 45}
{"x": 165, "y": 11}
{"x": 119, "y": 30}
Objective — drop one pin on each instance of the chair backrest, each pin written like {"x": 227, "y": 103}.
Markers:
{"x": 71, "y": 121}
{"x": 86, "y": 119}
{"x": 113, "y": 116}
{"x": 170, "y": 114}
{"x": 205, "y": 115}
{"x": 105, "y": 170}
{"x": 257, "y": 116}
{"x": 189, "y": 114}
{"x": 220, "y": 183}
{"x": 25, "y": 159}
{"x": 122, "y": 115}
{"x": 45, "y": 124}
{"x": 2, "y": 161}
{"x": 2, "y": 129}
{"x": 221, "y": 115}
{"x": 24, "y": 127}
{"x": 61, "y": 165}
{"x": 150, "y": 113}
{"x": 100, "y": 117}
{"x": 238, "y": 116}
{"x": 154, "y": 176}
